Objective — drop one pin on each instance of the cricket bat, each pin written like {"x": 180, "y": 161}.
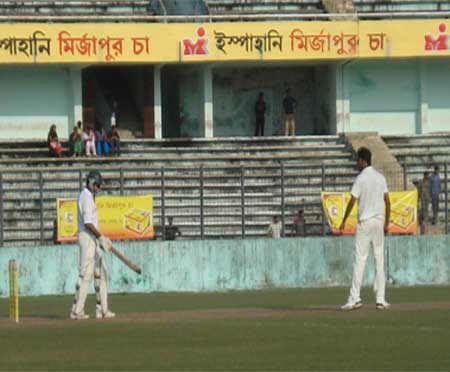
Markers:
{"x": 126, "y": 261}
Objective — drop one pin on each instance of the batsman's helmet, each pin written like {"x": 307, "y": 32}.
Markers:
{"x": 94, "y": 178}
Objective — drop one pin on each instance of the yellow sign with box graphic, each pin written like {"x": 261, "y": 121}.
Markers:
{"x": 137, "y": 220}
{"x": 403, "y": 218}
{"x": 120, "y": 217}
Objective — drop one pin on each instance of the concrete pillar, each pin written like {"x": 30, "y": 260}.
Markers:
{"x": 158, "y": 101}
{"x": 342, "y": 100}
{"x": 76, "y": 86}
{"x": 149, "y": 107}
{"x": 208, "y": 101}
{"x": 422, "y": 125}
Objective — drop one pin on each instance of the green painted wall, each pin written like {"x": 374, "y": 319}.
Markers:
{"x": 182, "y": 101}
{"x": 438, "y": 95}
{"x": 231, "y": 264}
{"x": 384, "y": 96}
{"x": 398, "y": 97}
{"x": 34, "y": 98}
{"x": 236, "y": 90}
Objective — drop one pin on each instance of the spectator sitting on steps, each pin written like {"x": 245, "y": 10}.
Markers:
{"x": 88, "y": 139}
{"x": 101, "y": 142}
{"x": 75, "y": 142}
{"x": 54, "y": 146}
{"x": 114, "y": 141}
{"x": 274, "y": 229}
{"x": 298, "y": 225}
{"x": 171, "y": 231}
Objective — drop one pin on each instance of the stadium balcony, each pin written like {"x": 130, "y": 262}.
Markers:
{"x": 396, "y": 6}
{"x": 74, "y": 10}
{"x": 214, "y": 10}
{"x": 264, "y": 7}
{"x": 234, "y": 185}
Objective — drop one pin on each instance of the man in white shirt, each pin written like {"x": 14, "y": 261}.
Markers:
{"x": 92, "y": 263}
{"x": 274, "y": 229}
{"x": 370, "y": 189}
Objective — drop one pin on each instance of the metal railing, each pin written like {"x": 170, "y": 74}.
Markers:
{"x": 221, "y": 17}
{"x": 235, "y": 201}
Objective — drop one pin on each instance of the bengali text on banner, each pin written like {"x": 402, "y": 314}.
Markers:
{"x": 222, "y": 41}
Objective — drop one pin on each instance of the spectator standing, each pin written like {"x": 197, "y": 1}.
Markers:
{"x": 289, "y": 106}
{"x": 374, "y": 209}
{"x": 298, "y": 225}
{"x": 435, "y": 186}
{"x": 171, "y": 231}
{"x": 274, "y": 229}
{"x": 113, "y": 121}
{"x": 424, "y": 202}
{"x": 260, "y": 112}
{"x": 114, "y": 141}
{"x": 54, "y": 146}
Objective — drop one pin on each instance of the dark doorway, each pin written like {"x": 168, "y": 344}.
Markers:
{"x": 125, "y": 91}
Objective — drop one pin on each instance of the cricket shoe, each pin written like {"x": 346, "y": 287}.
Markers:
{"x": 81, "y": 316}
{"x": 383, "y": 305}
{"x": 351, "y": 305}
{"x": 108, "y": 315}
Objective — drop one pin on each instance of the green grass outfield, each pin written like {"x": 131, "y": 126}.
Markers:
{"x": 298, "y": 329}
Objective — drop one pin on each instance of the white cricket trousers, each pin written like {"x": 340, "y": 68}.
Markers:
{"x": 369, "y": 232}
{"x": 90, "y": 148}
{"x": 92, "y": 265}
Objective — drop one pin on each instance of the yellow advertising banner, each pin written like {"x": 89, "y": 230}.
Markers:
{"x": 403, "y": 212}
{"x": 226, "y": 41}
{"x": 66, "y": 211}
{"x": 120, "y": 217}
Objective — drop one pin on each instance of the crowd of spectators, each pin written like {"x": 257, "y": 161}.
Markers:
{"x": 85, "y": 141}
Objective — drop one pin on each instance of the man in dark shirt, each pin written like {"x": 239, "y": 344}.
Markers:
{"x": 289, "y": 106}
{"x": 435, "y": 186}
{"x": 298, "y": 225}
{"x": 171, "y": 231}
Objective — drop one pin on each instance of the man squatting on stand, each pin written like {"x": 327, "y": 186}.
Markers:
{"x": 92, "y": 263}
{"x": 370, "y": 189}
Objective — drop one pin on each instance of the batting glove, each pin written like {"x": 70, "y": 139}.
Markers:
{"x": 105, "y": 243}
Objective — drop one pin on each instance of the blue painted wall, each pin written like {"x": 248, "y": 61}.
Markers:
{"x": 32, "y": 99}
{"x": 231, "y": 264}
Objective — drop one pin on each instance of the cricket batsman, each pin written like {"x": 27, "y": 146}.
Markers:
{"x": 92, "y": 246}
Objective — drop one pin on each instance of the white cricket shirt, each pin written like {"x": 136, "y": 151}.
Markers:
{"x": 274, "y": 229}
{"x": 87, "y": 211}
{"x": 369, "y": 188}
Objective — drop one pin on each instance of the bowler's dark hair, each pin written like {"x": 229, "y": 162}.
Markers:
{"x": 364, "y": 154}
